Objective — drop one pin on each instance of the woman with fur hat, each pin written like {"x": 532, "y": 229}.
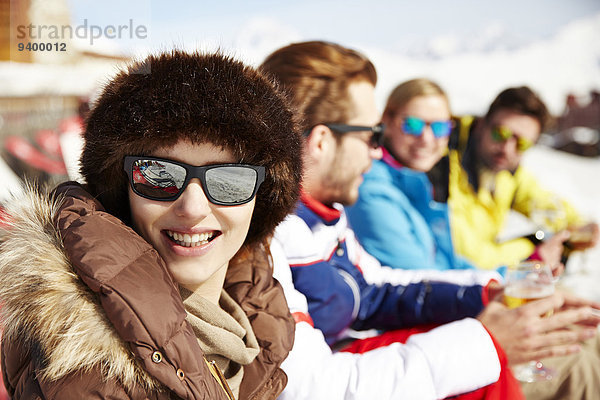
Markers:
{"x": 154, "y": 279}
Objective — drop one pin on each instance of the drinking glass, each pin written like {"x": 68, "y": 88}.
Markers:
{"x": 549, "y": 216}
{"x": 548, "y": 213}
{"x": 526, "y": 282}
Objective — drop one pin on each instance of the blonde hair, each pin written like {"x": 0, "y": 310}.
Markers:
{"x": 408, "y": 90}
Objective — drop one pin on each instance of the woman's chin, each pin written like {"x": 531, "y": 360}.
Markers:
{"x": 190, "y": 280}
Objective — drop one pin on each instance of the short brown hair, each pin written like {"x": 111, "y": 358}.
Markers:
{"x": 200, "y": 98}
{"x": 524, "y": 101}
{"x": 317, "y": 75}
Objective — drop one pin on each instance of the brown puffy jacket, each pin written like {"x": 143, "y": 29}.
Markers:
{"x": 90, "y": 311}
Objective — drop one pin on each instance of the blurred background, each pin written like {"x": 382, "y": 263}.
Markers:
{"x": 474, "y": 49}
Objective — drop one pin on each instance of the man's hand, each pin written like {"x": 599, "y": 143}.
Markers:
{"x": 525, "y": 335}
{"x": 551, "y": 250}
{"x": 573, "y": 302}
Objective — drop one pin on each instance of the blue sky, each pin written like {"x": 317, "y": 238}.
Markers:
{"x": 388, "y": 24}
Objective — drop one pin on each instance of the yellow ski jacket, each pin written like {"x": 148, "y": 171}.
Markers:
{"x": 477, "y": 216}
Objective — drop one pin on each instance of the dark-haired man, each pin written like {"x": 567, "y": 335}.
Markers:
{"x": 486, "y": 181}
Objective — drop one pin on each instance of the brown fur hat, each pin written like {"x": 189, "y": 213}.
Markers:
{"x": 202, "y": 98}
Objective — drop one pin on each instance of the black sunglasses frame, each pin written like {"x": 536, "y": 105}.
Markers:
{"x": 376, "y": 139}
{"x": 193, "y": 172}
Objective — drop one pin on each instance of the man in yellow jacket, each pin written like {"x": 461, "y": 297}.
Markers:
{"x": 486, "y": 181}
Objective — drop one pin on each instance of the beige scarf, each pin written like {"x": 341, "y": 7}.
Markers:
{"x": 224, "y": 334}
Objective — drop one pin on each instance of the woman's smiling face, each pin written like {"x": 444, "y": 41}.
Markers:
{"x": 419, "y": 152}
{"x": 194, "y": 237}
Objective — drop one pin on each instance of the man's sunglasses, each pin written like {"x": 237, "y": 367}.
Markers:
{"x": 165, "y": 180}
{"x": 501, "y": 134}
{"x": 415, "y": 126}
{"x": 376, "y": 139}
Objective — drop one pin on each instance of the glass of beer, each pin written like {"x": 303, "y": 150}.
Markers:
{"x": 526, "y": 282}
{"x": 548, "y": 214}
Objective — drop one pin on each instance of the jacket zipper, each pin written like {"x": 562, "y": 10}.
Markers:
{"x": 355, "y": 291}
{"x": 218, "y": 375}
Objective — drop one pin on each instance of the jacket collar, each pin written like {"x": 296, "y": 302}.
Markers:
{"x": 389, "y": 159}
{"x": 43, "y": 294}
{"x": 328, "y": 214}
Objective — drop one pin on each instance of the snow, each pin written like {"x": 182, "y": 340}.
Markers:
{"x": 472, "y": 68}
{"x": 568, "y": 62}
{"x": 82, "y": 79}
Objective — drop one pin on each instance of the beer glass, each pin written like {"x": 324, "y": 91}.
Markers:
{"x": 526, "y": 282}
{"x": 548, "y": 214}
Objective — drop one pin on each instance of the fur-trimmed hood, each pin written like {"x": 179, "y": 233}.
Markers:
{"x": 88, "y": 303}
{"x": 48, "y": 309}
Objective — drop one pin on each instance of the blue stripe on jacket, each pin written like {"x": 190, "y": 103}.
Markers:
{"x": 339, "y": 297}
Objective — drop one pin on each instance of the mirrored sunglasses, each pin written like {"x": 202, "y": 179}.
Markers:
{"x": 164, "y": 180}
{"x": 376, "y": 139}
{"x": 415, "y": 126}
{"x": 502, "y": 134}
